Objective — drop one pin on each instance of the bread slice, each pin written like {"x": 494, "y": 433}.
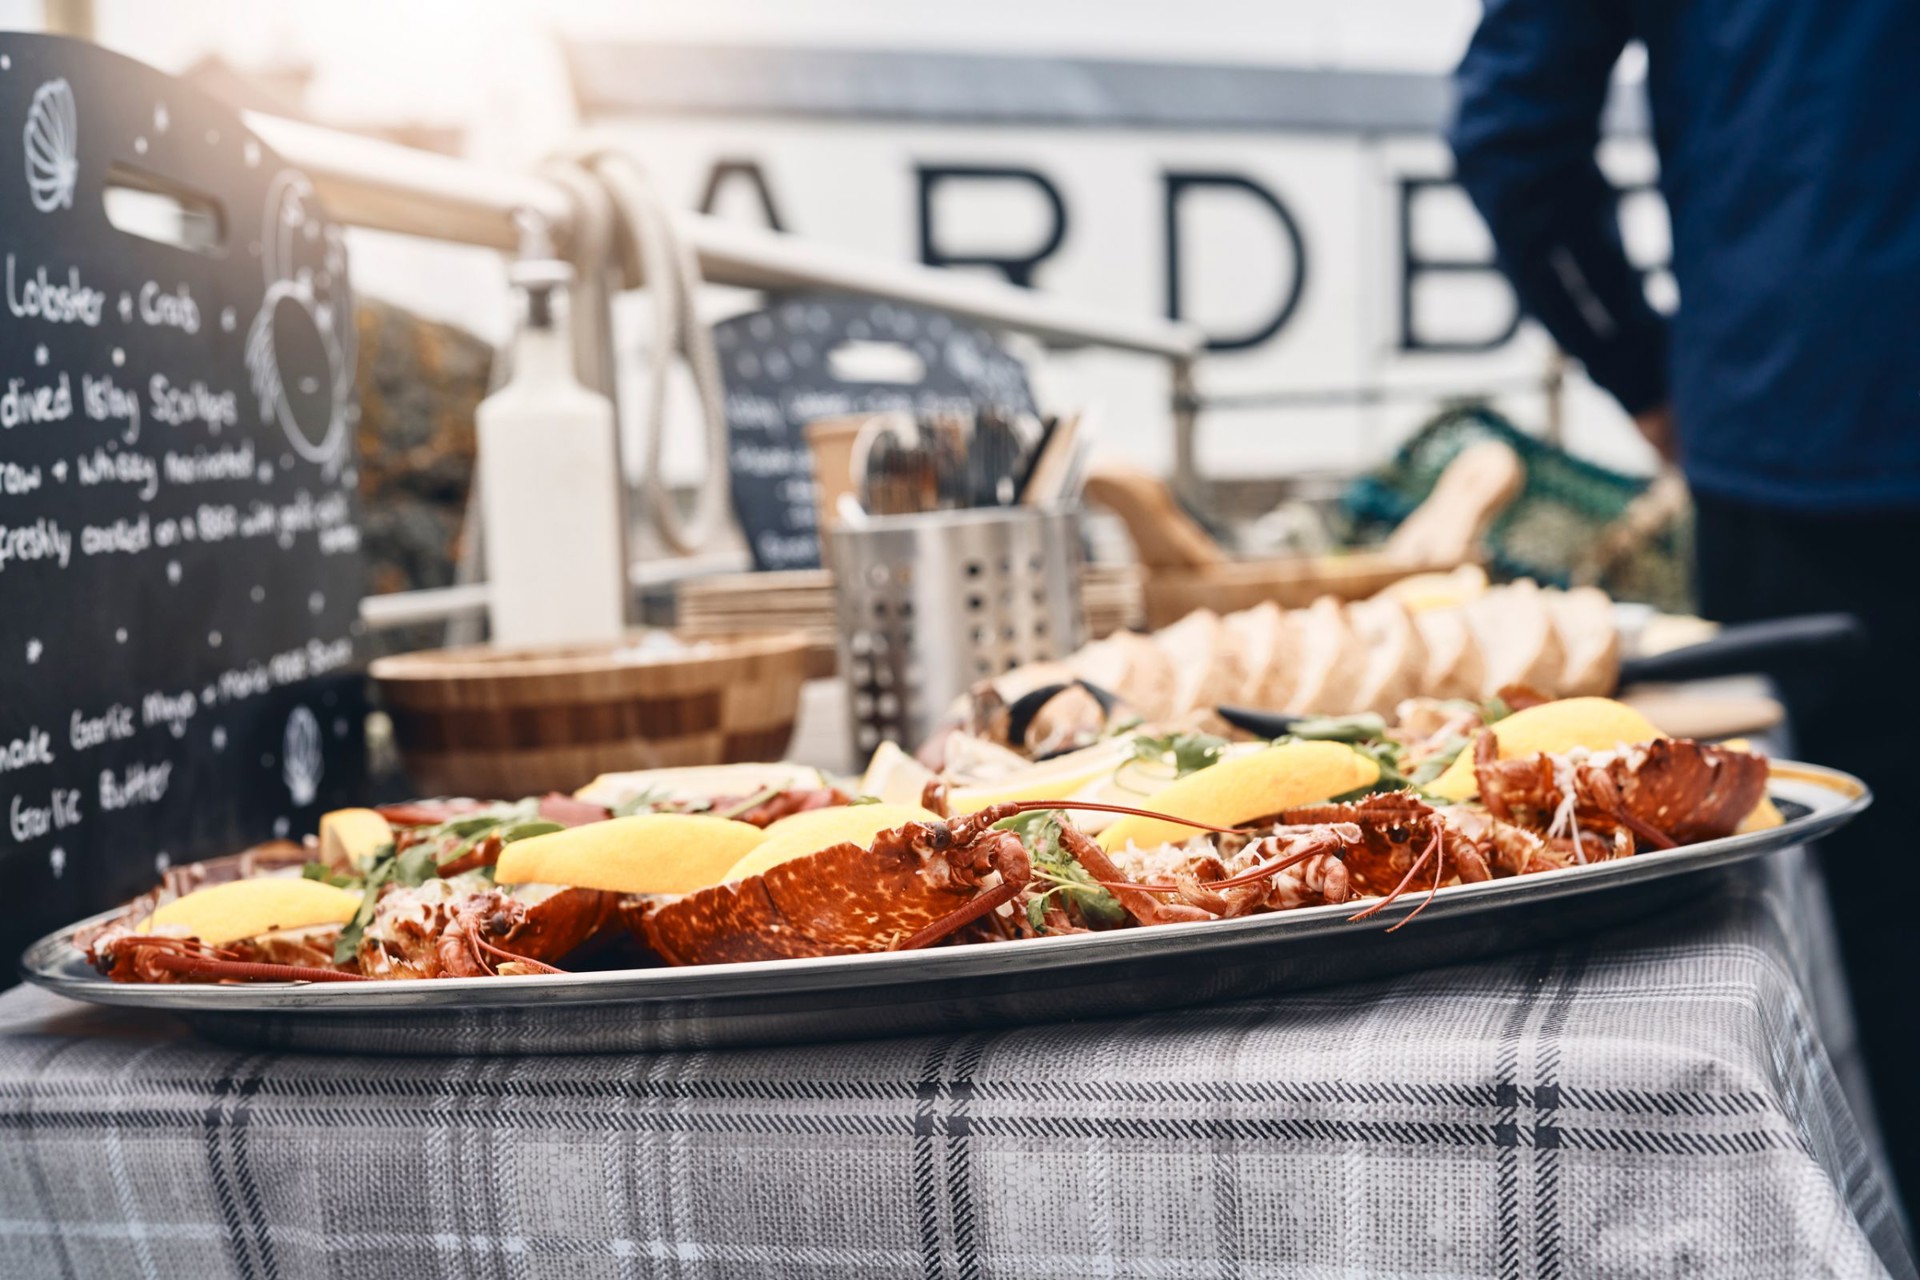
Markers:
{"x": 1273, "y": 690}
{"x": 1332, "y": 661}
{"x": 1396, "y": 658}
{"x": 1517, "y": 639}
{"x": 1257, "y": 632}
{"x": 1455, "y": 668}
{"x": 1583, "y": 618}
{"x": 1132, "y": 666}
{"x": 1205, "y": 659}
{"x": 1102, "y": 663}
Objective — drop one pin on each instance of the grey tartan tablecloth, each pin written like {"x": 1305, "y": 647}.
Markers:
{"x": 1661, "y": 1101}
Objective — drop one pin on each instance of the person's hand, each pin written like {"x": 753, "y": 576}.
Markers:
{"x": 1656, "y": 425}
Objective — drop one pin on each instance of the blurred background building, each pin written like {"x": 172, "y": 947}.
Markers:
{"x": 1271, "y": 169}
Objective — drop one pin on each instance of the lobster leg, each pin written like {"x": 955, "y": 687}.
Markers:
{"x": 191, "y": 966}
{"x": 1005, "y": 855}
{"x": 980, "y": 905}
{"x": 482, "y": 949}
{"x": 1331, "y": 842}
{"x": 1137, "y": 899}
{"x": 1434, "y": 850}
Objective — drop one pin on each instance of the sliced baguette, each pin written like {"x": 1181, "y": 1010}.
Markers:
{"x": 1583, "y": 619}
{"x": 1517, "y": 639}
{"x": 1132, "y": 666}
{"x": 1396, "y": 657}
{"x": 1102, "y": 663}
{"x": 1455, "y": 668}
{"x": 1333, "y": 662}
{"x": 1274, "y": 688}
{"x": 1205, "y": 660}
{"x": 1257, "y": 631}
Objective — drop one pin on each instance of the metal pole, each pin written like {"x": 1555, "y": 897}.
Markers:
{"x": 369, "y": 183}
{"x": 1186, "y": 424}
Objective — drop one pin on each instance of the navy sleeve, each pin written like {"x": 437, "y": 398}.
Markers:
{"x": 1531, "y": 90}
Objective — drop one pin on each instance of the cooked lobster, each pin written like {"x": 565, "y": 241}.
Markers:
{"x": 911, "y": 886}
{"x": 1601, "y": 805}
{"x": 468, "y": 928}
{"x": 303, "y": 955}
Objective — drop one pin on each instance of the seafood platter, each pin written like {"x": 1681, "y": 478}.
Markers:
{"x": 1038, "y": 859}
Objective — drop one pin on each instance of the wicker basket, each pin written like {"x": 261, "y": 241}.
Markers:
{"x": 502, "y": 723}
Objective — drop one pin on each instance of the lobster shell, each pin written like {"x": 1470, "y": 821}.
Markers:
{"x": 842, "y": 900}
{"x": 1688, "y": 791}
{"x": 439, "y": 945}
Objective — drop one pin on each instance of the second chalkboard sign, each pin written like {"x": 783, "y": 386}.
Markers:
{"x": 810, "y": 357}
{"x": 180, "y": 566}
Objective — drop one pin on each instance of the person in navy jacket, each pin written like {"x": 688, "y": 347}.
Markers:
{"x": 1786, "y": 385}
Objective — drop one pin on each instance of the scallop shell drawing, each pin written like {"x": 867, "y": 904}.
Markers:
{"x": 52, "y": 139}
{"x": 300, "y": 346}
{"x": 300, "y": 755}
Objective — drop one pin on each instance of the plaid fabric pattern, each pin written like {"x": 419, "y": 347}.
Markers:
{"x": 1662, "y": 1100}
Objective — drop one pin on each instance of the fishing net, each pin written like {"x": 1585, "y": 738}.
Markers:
{"x": 1573, "y": 522}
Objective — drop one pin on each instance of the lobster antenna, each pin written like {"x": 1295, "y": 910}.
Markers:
{"x": 1030, "y": 806}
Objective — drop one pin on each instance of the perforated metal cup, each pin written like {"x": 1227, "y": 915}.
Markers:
{"x": 930, "y": 604}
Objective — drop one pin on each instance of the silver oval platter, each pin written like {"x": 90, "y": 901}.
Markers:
{"x": 959, "y": 987}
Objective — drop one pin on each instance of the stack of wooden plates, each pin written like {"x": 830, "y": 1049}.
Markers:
{"x": 1111, "y": 596}
{"x": 801, "y": 600}
{"x": 731, "y": 604}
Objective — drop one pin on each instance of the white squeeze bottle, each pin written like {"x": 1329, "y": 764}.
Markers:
{"x": 550, "y": 484}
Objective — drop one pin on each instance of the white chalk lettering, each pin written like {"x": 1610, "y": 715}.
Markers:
{"x": 111, "y": 725}
{"x": 168, "y": 709}
{"x": 137, "y": 784}
{"x": 122, "y": 537}
{"x": 174, "y": 310}
{"x": 44, "y": 539}
{"x": 41, "y": 299}
{"x": 202, "y": 465}
{"x": 107, "y": 401}
{"x": 196, "y": 402}
{"x": 30, "y": 822}
{"x": 31, "y": 748}
{"x": 216, "y": 524}
{"x": 21, "y": 404}
{"x": 101, "y": 467}
{"x": 16, "y": 479}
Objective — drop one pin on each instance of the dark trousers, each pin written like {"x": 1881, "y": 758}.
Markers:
{"x": 1861, "y": 714}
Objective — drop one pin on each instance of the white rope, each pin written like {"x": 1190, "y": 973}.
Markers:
{"x": 666, "y": 265}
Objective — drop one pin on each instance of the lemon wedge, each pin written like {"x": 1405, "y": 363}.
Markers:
{"x": 223, "y": 913}
{"x": 351, "y": 837}
{"x": 1247, "y": 787}
{"x": 817, "y": 829}
{"x": 1597, "y": 724}
{"x": 1054, "y": 779}
{"x": 894, "y": 777}
{"x": 647, "y": 853}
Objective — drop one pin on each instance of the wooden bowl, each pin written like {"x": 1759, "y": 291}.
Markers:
{"x": 504, "y": 723}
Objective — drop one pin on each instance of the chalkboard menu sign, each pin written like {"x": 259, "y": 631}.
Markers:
{"x": 800, "y": 359}
{"x": 179, "y": 555}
